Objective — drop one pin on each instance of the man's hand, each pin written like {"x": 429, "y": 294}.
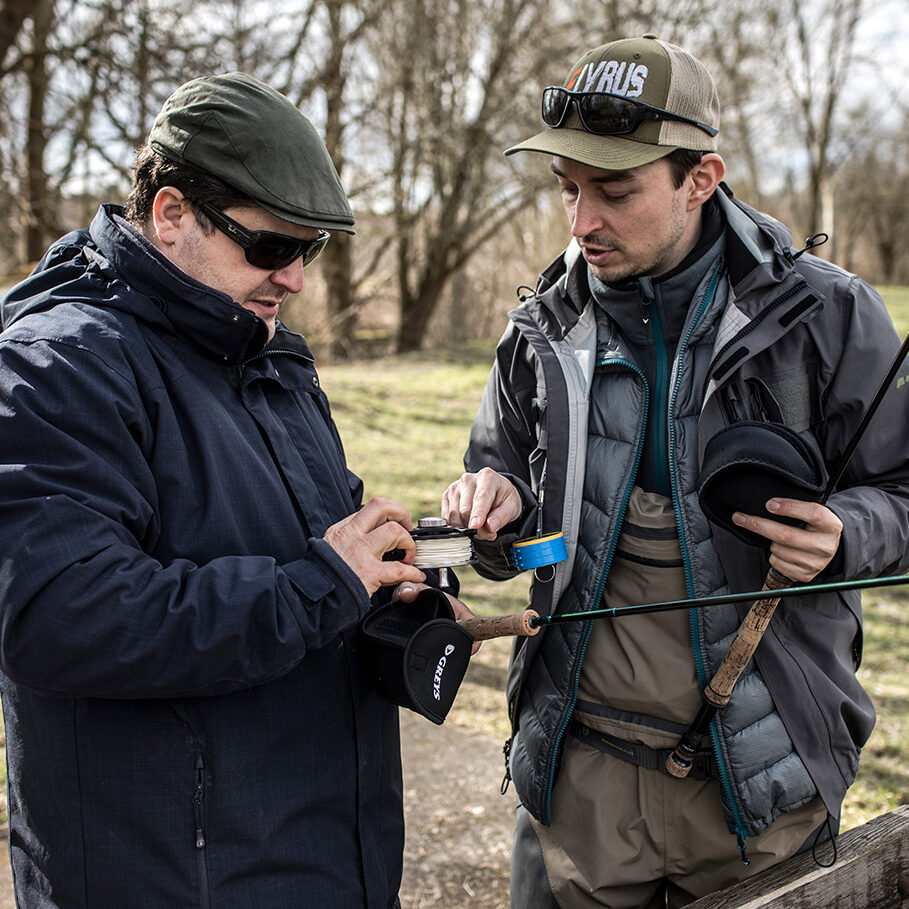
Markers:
{"x": 483, "y": 501}
{"x": 363, "y": 538}
{"x": 408, "y": 592}
{"x": 799, "y": 553}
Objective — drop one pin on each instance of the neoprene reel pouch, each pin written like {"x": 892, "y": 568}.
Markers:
{"x": 417, "y": 653}
{"x": 746, "y": 464}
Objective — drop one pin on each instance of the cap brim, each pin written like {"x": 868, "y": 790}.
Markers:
{"x": 605, "y": 152}
{"x": 318, "y": 221}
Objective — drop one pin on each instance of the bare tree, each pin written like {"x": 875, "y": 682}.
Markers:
{"x": 13, "y": 14}
{"x": 347, "y": 25}
{"x": 736, "y": 53}
{"x": 417, "y": 101}
{"x": 816, "y": 46}
{"x": 872, "y": 205}
{"x": 37, "y": 197}
{"x": 454, "y": 88}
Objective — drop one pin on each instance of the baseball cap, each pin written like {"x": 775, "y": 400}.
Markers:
{"x": 252, "y": 137}
{"x": 646, "y": 70}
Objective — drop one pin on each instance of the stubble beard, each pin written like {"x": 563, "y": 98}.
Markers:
{"x": 650, "y": 263}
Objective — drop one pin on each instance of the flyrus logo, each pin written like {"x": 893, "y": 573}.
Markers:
{"x": 609, "y": 76}
{"x": 440, "y": 669}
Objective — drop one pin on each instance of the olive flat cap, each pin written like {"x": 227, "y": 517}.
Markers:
{"x": 242, "y": 131}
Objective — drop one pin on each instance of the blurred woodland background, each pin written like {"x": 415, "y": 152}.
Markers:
{"x": 417, "y": 100}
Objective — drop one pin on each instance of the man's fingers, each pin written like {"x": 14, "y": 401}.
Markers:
{"x": 484, "y": 501}
{"x": 765, "y": 527}
{"x": 407, "y": 592}
{"x": 461, "y": 611}
{"x": 389, "y": 573}
{"x": 484, "y": 498}
{"x": 389, "y": 537}
{"x": 379, "y": 511}
{"x": 363, "y": 538}
{"x": 456, "y": 501}
{"x": 796, "y": 565}
{"x": 798, "y": 552}
{"x": 812, "y": 514}
{"x": 785, "y": 537}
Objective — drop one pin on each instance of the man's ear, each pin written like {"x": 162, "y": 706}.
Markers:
{"x": 171, "y": 216}
{"x": 705, "y": 176}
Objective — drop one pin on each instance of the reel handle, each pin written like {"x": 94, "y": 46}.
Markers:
{"x": 516, "y": 624}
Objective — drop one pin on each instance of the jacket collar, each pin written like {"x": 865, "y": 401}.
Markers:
{"x": 757, "y": 254}
{"x": 199, "y": 314}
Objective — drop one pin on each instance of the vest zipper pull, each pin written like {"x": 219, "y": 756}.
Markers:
{"x": 741, "y": 844}
{"x": 506, "y": 750}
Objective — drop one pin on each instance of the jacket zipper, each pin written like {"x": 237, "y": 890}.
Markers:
{"x": 267, "y": 353}
{"x": 199, "y": 830}
{"x": 661, "y": 385}
{"x": 600, "y": 585}
{"x": 740, "y": 833}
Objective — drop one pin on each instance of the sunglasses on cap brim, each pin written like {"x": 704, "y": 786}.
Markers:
{"x": 605, "y": 114}
{"x": 263, "y": 248}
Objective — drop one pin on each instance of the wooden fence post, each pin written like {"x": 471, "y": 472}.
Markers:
{"x": 871, "y": 870}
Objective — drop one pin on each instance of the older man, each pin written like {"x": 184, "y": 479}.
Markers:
{"x": 183, "y": 558}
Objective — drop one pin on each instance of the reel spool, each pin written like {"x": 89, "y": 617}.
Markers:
{"x": 441, "y": 546}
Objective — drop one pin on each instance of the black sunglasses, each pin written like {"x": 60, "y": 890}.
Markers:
{"x": 263, "y": 248}
{"x": 604, "y": 114}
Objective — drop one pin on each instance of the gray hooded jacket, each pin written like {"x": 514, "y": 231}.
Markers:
{"x": 796, "y": 336}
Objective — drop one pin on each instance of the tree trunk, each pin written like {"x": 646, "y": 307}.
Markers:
{"x": 36, "y": 182}
{"x": 416, "y": 314}
{"x": 342, "y": 304}
{"x": 338, "y": 265}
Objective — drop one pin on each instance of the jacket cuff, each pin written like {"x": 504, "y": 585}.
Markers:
{"x": 525, "y": 524}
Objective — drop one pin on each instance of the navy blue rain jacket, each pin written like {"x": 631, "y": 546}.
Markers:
{"x": 187, "y": 718}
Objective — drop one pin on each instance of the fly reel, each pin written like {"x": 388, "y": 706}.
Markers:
{"x": 438, "y": 545}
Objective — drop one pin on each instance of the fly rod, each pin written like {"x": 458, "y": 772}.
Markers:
{"x": 529, "y": 622}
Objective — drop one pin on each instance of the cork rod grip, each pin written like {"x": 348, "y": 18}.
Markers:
{"x": 499, "y": 626}
{"x": 745, "y": 642}
{"x": 719, "y": 688}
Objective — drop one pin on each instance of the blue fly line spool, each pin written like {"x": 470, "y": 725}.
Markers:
{"x": 535, "y": 552}
{"x": 542, "y": 549}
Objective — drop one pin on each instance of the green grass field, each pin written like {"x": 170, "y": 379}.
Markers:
{"x": 405, "y": 421}
{"x": 897, "y": 300}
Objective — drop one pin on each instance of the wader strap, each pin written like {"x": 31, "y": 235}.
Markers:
{"x": 702, "y": 768}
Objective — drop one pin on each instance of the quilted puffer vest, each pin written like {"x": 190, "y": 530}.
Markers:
{"x": 761, "y": 774}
